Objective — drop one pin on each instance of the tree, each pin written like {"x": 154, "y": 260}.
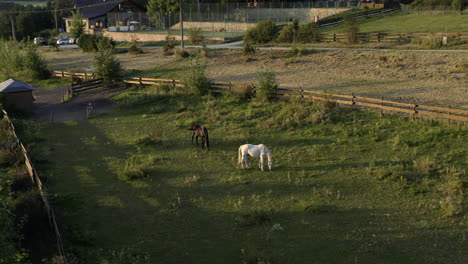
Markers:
{"x": 159, "y": 10}
{"x": 107, "y": 67}
{"x": 77, "y": 25}
{"x": 458, "y": 5}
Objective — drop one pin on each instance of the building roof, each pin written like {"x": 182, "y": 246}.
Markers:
{"x": 95, "y": 8}
{"x": 14, "y": 86}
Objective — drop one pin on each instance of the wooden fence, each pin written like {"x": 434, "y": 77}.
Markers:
{"x": 393, "y": 37}
{"x": 382, "y": 104}
{"x": 37, "y": 181}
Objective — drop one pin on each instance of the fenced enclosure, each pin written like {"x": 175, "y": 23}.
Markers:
{"x": 231, "y": 19}
{"x": 411, "y": 108}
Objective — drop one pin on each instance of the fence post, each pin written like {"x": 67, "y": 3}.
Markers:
{"x": 449, "y": 112}
{"x": 63, "y": 74}
{"x": 334, "y": 37}
{"x": 302, "y": 95}
{"x": 85, "y": 76}
{"x": 140, "y": 84}
{"x": 414, "y": 109}
{"x": 381, "y": 109}
{"x": 378, "y": 37}
{"x": 173, "y": 83}
{"x": 353, "y": 100}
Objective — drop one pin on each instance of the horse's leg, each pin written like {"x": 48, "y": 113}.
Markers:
{"x": 196, "y": 139}
{"x": 193, "y": 134}
{"x": 261, "y": 162}
{"x": 202, "y": 142}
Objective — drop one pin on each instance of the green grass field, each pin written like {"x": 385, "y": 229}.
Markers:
{"x": 129, "y": 187}
{"x": 400, "y": 22}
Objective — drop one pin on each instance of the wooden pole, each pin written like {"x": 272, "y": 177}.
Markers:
{"x": 13, "y": 30}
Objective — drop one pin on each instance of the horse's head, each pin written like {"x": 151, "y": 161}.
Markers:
{"x": 194, "y": 127}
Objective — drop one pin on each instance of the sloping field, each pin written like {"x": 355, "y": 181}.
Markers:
{"x": 346, "y": 187}
{"x": 401, "y": 22}
{"x": 426, "y": 77}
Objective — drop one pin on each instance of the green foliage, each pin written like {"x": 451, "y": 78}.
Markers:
{"x": 308, "y": 33}
{"x": 431, "y": 3}
{"x": 29, "y": 20}
{"x": 77, "y": 25}
{"x": 107, "y": 67}
{"x": 351, "y": 28}
{"x": 93, "y": 42}
{"x": 267, "y": 85}
{"x": 134, "y": 47}
{"x": 458, "y": 4}
{"x": 159, "y": 10}
{"x": 287, "y": 34}
{"x": 137, "y": 167}
{"x": 263, "y": 32}
{"x": 21, "y": 60}
{"x": 169, "y": 45}
{"x": 195, "y": 35}
{"x": 182, "y": 53}
{"x": 195, "y": 79}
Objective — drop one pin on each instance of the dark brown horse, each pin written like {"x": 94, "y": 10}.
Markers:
{"x": 200, "y": 131}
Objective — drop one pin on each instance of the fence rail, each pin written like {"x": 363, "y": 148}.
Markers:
{"x": 37, "y": 181}
{"x": 368, "y": 102}
{"x": 392, "y": 37}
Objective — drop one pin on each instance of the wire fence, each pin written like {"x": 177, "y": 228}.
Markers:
{"x": 228, "y": 19}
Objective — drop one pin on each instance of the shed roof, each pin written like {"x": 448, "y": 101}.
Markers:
{"x": 14, "y": 86}
{"x": 92, "y": 9}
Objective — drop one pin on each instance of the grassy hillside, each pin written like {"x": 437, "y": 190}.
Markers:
{"x": 130, "y": 188}
{"x": 400, "y": 22}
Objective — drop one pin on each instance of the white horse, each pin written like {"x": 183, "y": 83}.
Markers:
{"x": 254, "y": 151}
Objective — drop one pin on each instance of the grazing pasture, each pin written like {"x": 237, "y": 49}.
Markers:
{"x": 427, "y": 77}
{"x": 347, "y": 186}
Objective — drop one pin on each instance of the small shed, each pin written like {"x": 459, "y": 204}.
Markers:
{"x": 17, "y": 95}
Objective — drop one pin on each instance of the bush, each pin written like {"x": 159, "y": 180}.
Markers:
{"x": 107, "y": 67}
{"x": 308, "y": 33}
{"x": 92, "y": 43}
{"x": 286, "y": 35}
{"x": 169, "y": 45}
{"x": 195, "y": 35}
{"x": 77, "y": 25}
{"x": 263, "y": 32}
{"x": 195, "y": 79}
{"x": 20, "y": 60}
{"x": 134, "y": 49}
{"x": 267, "y": 86}
{"x": 351, "y": 29}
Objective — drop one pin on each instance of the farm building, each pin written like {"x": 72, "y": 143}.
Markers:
{"x": 100, "y": 14}
{"x": 17, "y": 95}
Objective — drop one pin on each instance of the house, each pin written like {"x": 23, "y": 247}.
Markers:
{"x": 17, "y": 95}
{"x": 101, "y": 14}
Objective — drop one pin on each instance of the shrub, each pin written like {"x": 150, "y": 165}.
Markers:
{"x": 308, "y": 33}
{"x": 195, "y": 35}
{"x": 169, "y": 45}
{"x": 134, "y": 49}
{"x": 248, "y": 49}
{"x": 21, "y": 60}
{"x": 107, "y": 67}
{"x": 267, "y": 86}
{"x": 263, "y": 32}
{"x": 92, "y": 43}
{"x": 286, "y": 35}
{"x": 351, "y": 28}
{"x": 195, "y": 79}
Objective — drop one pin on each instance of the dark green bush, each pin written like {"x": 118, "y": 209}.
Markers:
{"x": 169, "y": 45}
{"x": 92, "y": 43}
{"x": 286, "y": 35}
{"x": 107, "y": 67}
{"x": 20, "y": 60}
{"x": 351, "y": 29}
{"x": 308, "y": 33}
{"x": 267, "y": 86}
{"x": 195, "y": 79}
{"x": 263, "y": 32}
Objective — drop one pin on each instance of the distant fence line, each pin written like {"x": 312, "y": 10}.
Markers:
{"x": 382, "y": 104}
{"x": 392, "y": 37}
{"x": 37, "y": 181}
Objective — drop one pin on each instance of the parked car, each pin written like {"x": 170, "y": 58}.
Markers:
{"x": 62, "y": 41}
{"x": 39, "y": 41}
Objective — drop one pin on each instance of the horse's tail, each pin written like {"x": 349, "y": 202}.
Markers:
{"x": 205, "y": 132}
